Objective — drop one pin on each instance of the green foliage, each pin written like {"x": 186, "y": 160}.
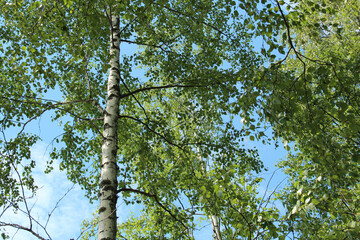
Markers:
{"x": 13, "y": 153}
{"x": 4, "y": 236}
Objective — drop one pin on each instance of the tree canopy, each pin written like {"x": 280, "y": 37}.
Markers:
{"x": 148, "y": 95}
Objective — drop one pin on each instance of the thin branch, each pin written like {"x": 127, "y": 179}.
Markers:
{"x": 56, "y": 105}
{"x": 4, "y": 224}
{"x": 145, "y": 44}
{"x": 298, "y": 55}
{"x": 292, "y": 46}
{"x": 266, "y": 189}
{"x": 278, "y": 185}
{"x": 158, "y": 87}
{"x": 57, "y": 204}
{"x": 19, "y": 177}
{"x": 141, "y": 43}
{"x": 153, "y": 131}
{"x": 4, "y": 210}
{"x": 242, "y": 215}
{"x": 41, "y": 15}
{"x": 138, "y": 102}
{"x": 28, "y": 121}
{"x": 33, "y": 219}
{"x": 155, "y": 198}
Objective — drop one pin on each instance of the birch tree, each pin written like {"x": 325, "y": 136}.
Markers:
{"x": 191, "y": 55}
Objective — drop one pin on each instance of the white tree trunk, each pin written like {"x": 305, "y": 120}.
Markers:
{"x": 108, "y": 183}
{"x": 216, "y": 227}
{"x": 213, "y": 219}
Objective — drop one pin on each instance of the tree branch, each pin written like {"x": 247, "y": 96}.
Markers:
{"x": 153, "y": 131}
{"x": 155, "y": 198}
{"x": 4, "y": 224}
{"x": 158, "y": 87}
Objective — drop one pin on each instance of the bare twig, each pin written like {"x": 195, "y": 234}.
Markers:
{"x": 57, "y": 204}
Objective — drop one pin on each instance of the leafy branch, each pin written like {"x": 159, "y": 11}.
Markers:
{"x": 154, "y": 196}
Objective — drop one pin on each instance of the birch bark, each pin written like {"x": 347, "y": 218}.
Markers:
{"x": 108, "y": 183}
{"x": 213, "y": 219}
{"x": 216, "y": 227}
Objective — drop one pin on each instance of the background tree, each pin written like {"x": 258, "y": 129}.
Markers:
{"x": 311, "y": 98}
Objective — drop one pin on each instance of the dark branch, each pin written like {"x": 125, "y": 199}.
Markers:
{"x": 155, "y": 198}
{"x": 158, "y": 87}
{"x": 4, "y": 224}
{"x": 144, "y": 44}
{"x": 153, "y": 131}
{"x": 138, "y": 102}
